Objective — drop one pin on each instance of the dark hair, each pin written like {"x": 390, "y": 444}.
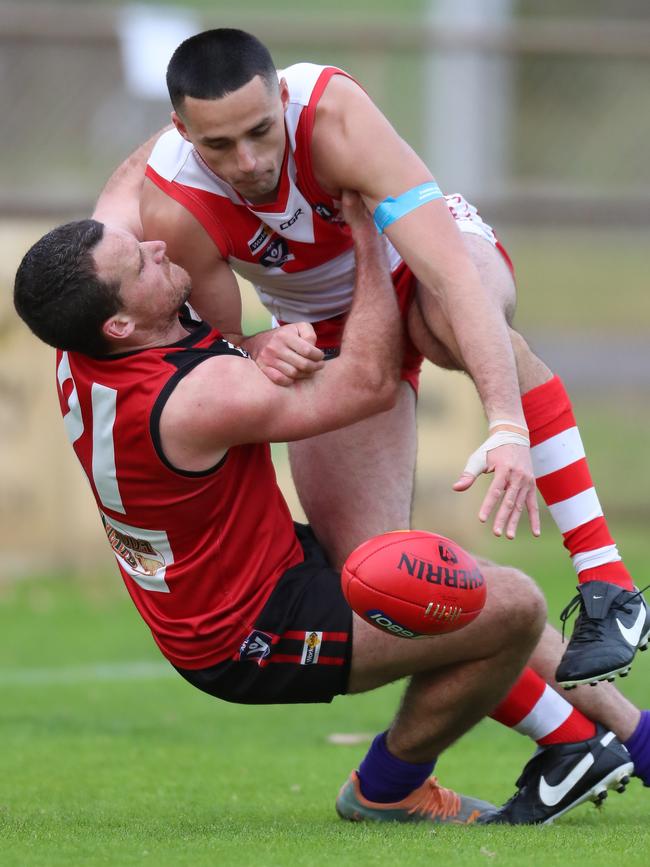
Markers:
{"x": 57, "y": 291}
{"x": 215, "y": 63}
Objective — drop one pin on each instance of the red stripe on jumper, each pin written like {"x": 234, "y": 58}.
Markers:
{"x": 192, "y": 201}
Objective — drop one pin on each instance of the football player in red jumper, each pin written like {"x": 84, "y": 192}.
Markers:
{"x": 249, "y": 181}
{"x": 171, "y": 424}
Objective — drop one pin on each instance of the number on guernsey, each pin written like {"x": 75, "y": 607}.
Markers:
{"x": 143, "y": 554}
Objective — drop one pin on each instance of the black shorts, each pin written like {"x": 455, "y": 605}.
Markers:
{"x": 301, "y": 647}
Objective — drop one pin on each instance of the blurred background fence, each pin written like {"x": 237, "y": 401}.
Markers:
{"x": 539, "y": 112}
{"x": 538, "y": 118}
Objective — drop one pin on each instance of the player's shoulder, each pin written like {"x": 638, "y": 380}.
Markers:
{"x": 164, "y": 218}
{"x": 303, "y": 79}
{"x": 211, "y": 377}
{"x": 341, "y": 95}
{"x": 169, "y": 154}
{"x": 196, "y": 419}
{"x": 342, "y": 104}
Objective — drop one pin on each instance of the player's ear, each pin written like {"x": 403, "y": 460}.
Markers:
{"x": 118, "y": 327}
{"x": 284, "y": 93}
{"x": 180, "y": 126}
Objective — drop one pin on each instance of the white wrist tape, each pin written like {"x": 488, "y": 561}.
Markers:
{"x": 477, "y": 461}
{"x": 497, "y": 422}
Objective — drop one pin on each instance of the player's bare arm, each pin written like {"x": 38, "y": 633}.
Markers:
{"x": 354, "y": 146}
{"x": 118, "y": 202}
{"x": 215, "y": 292}
{"x": 227, "y": 400}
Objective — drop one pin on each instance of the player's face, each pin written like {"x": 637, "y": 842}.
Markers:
{"x": 152, "y": 288}
{"x": 240, "y": 136}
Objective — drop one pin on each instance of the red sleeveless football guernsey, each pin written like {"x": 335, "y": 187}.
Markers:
{"x": 199, "y": 552}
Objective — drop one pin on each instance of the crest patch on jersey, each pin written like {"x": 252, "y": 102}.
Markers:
{"x": 137, "y": 553}
{"x": 276, "y": 254}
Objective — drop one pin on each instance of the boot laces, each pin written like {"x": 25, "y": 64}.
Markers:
{"x": 588, "y": 629}
{"x": 434, "y": 800}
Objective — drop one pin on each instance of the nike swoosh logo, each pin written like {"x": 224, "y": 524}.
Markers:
{"x": 552, "y": 795}
{"x": 632, "y": 634}
{"x": 596, "y": 597}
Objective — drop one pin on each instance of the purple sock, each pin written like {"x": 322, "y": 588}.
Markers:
{"x": 638, "y": 746}
{"x": 384, "y": 778}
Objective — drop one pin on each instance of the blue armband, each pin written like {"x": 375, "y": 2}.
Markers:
{"x": 392, "y": 209}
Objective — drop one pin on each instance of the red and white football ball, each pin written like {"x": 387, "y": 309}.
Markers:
{"x": 413, "y": 584}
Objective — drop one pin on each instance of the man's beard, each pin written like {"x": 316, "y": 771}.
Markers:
{"x": 186, "y": 292}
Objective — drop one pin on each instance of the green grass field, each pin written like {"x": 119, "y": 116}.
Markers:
{"x": 110, "y": 758}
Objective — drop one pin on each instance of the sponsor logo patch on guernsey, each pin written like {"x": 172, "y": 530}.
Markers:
{"x": 259, "y": 238}
{"x": 311, "y": 648}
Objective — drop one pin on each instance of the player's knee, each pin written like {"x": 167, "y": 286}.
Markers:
{"x": 519, "y": 344}
{"x": 530, "y": 608}
{"x": 531, "y": 370}
{"x": 520, "y": 605}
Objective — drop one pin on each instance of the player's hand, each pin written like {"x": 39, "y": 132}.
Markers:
{"x": 513, "y": 487}
{"x": 287, "y": 353}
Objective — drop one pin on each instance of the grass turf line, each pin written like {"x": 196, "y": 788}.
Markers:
{"x": 123, "y": 772}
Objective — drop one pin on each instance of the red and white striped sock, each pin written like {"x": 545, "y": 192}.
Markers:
{"x": 565, "y": 483}
{"x": 533, "y": 708}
